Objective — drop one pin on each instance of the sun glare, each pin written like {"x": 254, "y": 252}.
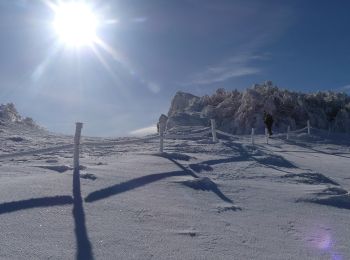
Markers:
{"x": 75, "y": 24}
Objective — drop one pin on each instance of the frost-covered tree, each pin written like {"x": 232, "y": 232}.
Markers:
{"x": 238, "y": 111}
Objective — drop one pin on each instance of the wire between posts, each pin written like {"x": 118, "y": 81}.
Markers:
{"x": 104, "y": 143}
{"x": 298, "y": 130}
{"x": 38, "y": 151}
{"x": 224, "y": 133}
{"x": 63, "y": 147}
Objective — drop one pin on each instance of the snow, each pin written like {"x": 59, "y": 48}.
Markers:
{"x": 198, "y": 200}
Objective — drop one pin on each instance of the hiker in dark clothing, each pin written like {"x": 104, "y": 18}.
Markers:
{"x": 268, "y": 120}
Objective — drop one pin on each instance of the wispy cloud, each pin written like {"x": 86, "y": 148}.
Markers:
{"x": 236, "y": 66}
{"x": 144, "y": 131}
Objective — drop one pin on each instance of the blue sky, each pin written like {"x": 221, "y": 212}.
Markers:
{"x": 160, "y": 47}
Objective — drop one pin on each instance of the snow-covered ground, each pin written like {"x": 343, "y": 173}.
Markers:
{"x": 199, "y": 200}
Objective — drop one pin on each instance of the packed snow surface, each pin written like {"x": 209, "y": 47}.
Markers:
{"x": 198, "y": 200}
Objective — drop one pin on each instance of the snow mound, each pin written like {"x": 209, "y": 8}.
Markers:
{"x": 191, "y": 233}
{"x": 205, "y": 184}
{"x": 51, "y": 161}
{"x": 333, "y": 191}
{"x": 177, "y": 156}
{"x": 56, "y": 168}
{"x": 310, "y": 178}
{"x": 60, "y": 168}
{"x": 223, "y": 207}
{"x": 88, "y": 176}
{"x": 237, "y": 112}
{"x": 332, "y": 196}
{"x": 200, "y": 167}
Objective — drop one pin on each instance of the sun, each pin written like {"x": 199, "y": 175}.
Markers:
{"x": 75, "y": 24}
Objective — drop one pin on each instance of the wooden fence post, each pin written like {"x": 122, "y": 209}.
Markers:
{"x": 253, "y": 130}
{"x": 161, "y": 136}
{"x": 308, "y": 127}
{"x": 288, "y": 130}
{"x": 78, "y": 127}
{"x": 266, "y": 136}
{"x": 213, "y": 130}
{"x": 161, "y": 142}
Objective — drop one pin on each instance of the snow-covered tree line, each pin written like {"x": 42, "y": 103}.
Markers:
{"x": 239, "y": 111}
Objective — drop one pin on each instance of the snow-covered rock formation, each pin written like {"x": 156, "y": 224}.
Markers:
{"x": 10, "y": 115}
{"x": 237, "y": 112}
{"x": 186, "y": 109}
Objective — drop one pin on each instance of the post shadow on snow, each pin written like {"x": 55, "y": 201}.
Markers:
{"x": 204, "y": 184}
{"x": 35, "y": 203}
{"x": 198, "y": 167}
{"x": 243, "y": 156}
{"x": 84, "y": 249}
{"x": 171, "y": 158}
{"x": 130, "y": 185}
{"x": 271, "y": 160}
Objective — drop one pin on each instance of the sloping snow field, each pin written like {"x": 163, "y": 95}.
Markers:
{"x": 199, "y": 200}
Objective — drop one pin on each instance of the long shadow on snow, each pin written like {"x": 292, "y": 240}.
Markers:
{"x": 84, "y": 249}
{"x": 313, "y": 149}
{"x": 35, "y": 203}
{"x": 207, "y": 186}
{"x": 271, "y": 161}
{"x": 130, "y": 185}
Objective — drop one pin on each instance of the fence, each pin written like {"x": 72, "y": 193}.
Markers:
{"x": 162, "y": 137}
{"x": 75, "y": 146}
{"x": 252, "y": 135}
{"x": 214, "y": 134}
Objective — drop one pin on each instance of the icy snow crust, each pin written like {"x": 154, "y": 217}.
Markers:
{"x": 199, "y": 200}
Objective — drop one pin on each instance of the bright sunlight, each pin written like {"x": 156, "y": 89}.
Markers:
{"x": 75, "y": 24}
